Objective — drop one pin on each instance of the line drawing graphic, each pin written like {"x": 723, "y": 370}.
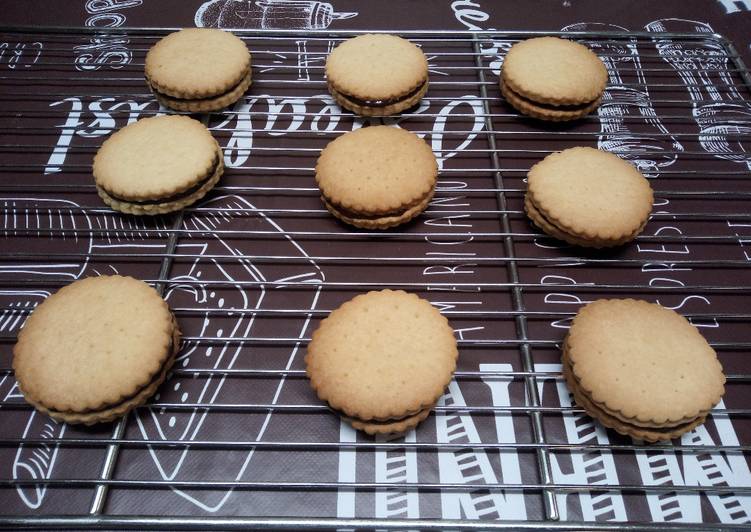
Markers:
{"x": 268, "y": 14}
{"x": 74, "y": 225}
{"x": 306, "y": 59}
{"x": 658, "y": 465}
{"x": 38, "y": 462}
{"x": 718, "y": 108}
{"x": 461, "y": 466}
{"x": 186, "y": 425}
{"x": 473, "y": 465}
{"x": 20, "y": 54}
{"x": 347, "y": 472}
{"x": 394, "y": 466}
{"x": 626, "y": 106}
{"x": 61, "y": 215}
{"x": 661, "y": 466}
{"x": 124, "y": 232}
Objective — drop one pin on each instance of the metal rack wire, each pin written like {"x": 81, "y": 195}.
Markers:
{"x": 251, "y": 270}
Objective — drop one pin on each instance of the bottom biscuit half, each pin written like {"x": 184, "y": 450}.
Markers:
{"x": 391, "y": 108}
{"x": 649, "y": 434}
{"x": 389, "y": 427}
{"x": 114, "y": 412}
{"x": 167, "y": 206}
{"x": 384, "y": 222}
{"x": 541, "y": 221}
{"x": 551, "y": 112}
{"x": 204, "y": 105}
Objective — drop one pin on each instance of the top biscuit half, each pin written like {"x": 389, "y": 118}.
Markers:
{"x": 376, "y": 170}
{"x": 643, "y": 361}
{"x": 549, "y": 70}
{"x": 197, "y": 63}
{"x": 376, "y": 69}
{"x": 382, "y": 355}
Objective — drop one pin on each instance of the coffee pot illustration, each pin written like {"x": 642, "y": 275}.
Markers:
{"x": 268, "y": 14}
{"x": 718, "y": 107}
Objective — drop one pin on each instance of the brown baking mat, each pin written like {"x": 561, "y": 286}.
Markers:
{"x": 251, "y": 270}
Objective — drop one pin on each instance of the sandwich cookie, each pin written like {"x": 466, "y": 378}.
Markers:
{"x": 376, "y": 177}
{"x": 641, "y": 369}
{"x": 198, "y": 70}
{"x": 382, "y": 360}
{"x": 553, "y": 79}
{"x": 157, "y": 165}
{"x": 588, "y": 197}
{"x": 377, "y": 75}
{"x": 95, "y": 349}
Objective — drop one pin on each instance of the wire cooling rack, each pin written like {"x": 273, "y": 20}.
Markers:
{"x": 235, "y": 438}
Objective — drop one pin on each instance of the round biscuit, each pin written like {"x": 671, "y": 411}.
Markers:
{"x": 643, "y": 361}
{"x": 155, "y": 158}
{"x": 197, "y": 63}
{"x": 590, "y": 194}
{"x": 382, "y": 356}
{"x": 554, "y": 71}
{"x": 93, "y": 344}
{"x": 376, "y": 67}
{"x": 167, "y": 206}
{"x": 376, "y": 171}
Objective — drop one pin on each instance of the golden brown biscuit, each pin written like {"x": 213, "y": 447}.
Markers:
{"x": 643, "y": 365}
{"x": 553, "y": 79}
{"x": 588, "y": 197}
{"x": 95, "y": 349}
{"x": 377, "y": 177}
{"x": 377, "y": 74}
{"x": 198, "y": 69}
{"x": 157, "y": 165}
{"x": 382, "y": 357}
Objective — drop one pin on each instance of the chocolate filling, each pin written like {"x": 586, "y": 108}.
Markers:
{"x": 175, "y": 197}
{"x": 213, "y": 97}
{"x": 381, "y": 103}
{"x": 550, "y": 106}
